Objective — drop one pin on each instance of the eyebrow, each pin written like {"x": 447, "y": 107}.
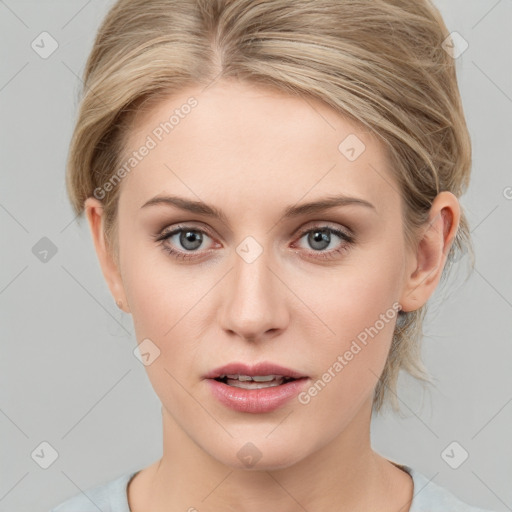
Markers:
{"x": 290, "y": 212}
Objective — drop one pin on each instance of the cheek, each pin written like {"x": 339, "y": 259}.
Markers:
{"x": 154, "y": 288}
{"x": 353, "y": 297}
{"x": 349, "y": 367}
{"x": 165, "y": 301}
{"x": 359, "y": 305}
{"x": 161, "y": 304}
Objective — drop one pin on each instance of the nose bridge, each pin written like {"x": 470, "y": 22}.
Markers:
{"x": 254, "y": 301}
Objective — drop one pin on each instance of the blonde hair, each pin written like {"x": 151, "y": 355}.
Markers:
{"x": 380, "y": 63}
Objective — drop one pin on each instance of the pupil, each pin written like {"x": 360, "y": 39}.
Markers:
{"x": 320, "y": 236}
{"x": 190, "y": 240}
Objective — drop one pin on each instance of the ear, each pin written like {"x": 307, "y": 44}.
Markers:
{"x": 111, "y": 271}
{"x": 426, "y": 265}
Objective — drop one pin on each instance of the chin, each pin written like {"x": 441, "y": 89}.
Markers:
{"x": 260, "y": 454}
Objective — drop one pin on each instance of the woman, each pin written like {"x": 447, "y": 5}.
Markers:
{"x": 272, "y": 191}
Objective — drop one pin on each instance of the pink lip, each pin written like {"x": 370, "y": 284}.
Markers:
{"x": 263, "y": 368}
{"x": 255, "y": 400}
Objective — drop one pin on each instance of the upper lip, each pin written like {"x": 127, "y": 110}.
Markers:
{"x": 263, "y": 368}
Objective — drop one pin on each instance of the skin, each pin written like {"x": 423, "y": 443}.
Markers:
{"x": 288, "y": 306}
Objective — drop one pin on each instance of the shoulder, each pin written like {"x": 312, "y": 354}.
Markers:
{"x": 107, "y": 497}
{"x": 431, "y": 497}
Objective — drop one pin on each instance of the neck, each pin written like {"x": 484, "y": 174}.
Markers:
{"x": 344, "y": 473}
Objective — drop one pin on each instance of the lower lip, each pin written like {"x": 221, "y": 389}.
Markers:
{"x": 256, "y": 400}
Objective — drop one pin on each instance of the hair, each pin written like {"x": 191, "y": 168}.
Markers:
{"x": 379, "y": 63}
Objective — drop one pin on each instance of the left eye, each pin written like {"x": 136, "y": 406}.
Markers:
{"x": 320, "y": 238}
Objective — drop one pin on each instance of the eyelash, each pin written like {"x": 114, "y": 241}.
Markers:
{"x": 321, "y": 254}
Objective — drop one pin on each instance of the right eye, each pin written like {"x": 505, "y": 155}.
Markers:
{"x": 189, "y": 238}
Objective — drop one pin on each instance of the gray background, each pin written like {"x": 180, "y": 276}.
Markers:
{"x": 68, "y": 374}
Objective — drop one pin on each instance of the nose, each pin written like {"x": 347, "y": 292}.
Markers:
{"x": 255, "y": 300}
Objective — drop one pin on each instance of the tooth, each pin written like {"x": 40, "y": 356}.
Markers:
{"x": 255, "y": 378}
{"x": 252, "y": 385}
{"x": 265, "y": 378}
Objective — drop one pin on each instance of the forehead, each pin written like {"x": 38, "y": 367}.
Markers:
{"x": 255, "y": 143}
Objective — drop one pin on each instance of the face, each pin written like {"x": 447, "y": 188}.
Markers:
{"x": 313, "y": 290}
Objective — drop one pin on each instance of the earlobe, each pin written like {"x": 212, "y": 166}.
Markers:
{"x": 111, "y": 272}
{"x": 432, "y": 251}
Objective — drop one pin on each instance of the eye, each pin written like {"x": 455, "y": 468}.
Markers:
{"x": 188, "y": 238}
{"x": 320, "y": 238}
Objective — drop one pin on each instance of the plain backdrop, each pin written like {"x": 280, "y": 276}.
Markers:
{"x": 69, "y": 378}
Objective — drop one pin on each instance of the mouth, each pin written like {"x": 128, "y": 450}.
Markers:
{"x": 257, "y": 389}
{"x": 256, "y": 376}
{"x": 254, "y": 381}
